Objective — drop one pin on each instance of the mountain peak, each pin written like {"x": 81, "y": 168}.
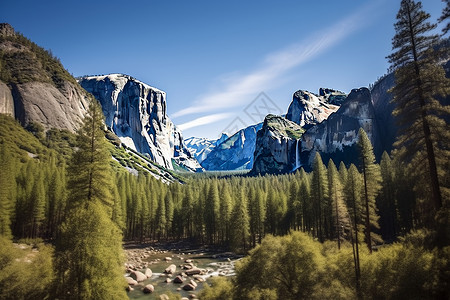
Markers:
{"x": 6, "y": 30}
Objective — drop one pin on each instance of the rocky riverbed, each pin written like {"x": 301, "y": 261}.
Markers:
{"x": 156, "y": 273}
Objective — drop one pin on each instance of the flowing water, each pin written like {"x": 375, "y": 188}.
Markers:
{"x": 215, "y": 265}
{"x": 297, "y": 158}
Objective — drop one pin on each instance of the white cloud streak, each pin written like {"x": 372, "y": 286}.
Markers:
{"x": 240, "y": 88}
{"x": 204, "y": 120}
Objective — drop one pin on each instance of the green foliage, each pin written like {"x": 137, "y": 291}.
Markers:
{"x": 25, "y": 272}
{"x": 371, "y": 182}
{"x": 29, "y": 62}
{"x": 288, "y": 266}
{"x": 7, "y": 189}
{"x": 424, "y": 133}
{"x": 319, "y": 197}
{"x": 221, "y": 289}
{"x": 90, "y": 177}
{"x": 297, "y": 267}
{"x": 89, "y": 248}
{"x": 89, "y": 255}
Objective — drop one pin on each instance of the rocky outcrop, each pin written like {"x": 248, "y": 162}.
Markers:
{"x": 336, "y": 136}
{"x": 42, "y": 102}
{"x": 308, "y": 109}
{"x": 235, "y": 153}
{"x": 201, "y": 147}
{"x": 6, "y": 100}
{"x": 136, "y": 112}
{"x": 6, "y": 30}
{"x": 277, "y": 146}
{"x": 41, "y": 89}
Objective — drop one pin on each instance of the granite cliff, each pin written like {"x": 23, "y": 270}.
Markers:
{"x": 136, "y": 113}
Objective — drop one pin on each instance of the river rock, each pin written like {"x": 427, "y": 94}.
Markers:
{"x": 178, "y": 279}
{"x": 164, "y": 297}
{"x": 193, "y": 271}
{"x": 188, "y": 287}
{"x": 149, "y": 289}
{"x": 131, "y": 281}
{"x": 193, "y": 283}
{"x": 129, "y": 289}
{"x": 168, "y": 280}
{"x": 148, "y": 273}
{"x": 167, "y": 258}
{"x": 198, "y": 278}
{"x": 170, "y": 269}
{"x": 188, "y": 261}
{"x": 138, "y": 276}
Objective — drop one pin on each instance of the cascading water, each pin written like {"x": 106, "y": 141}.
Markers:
{"x": 297, "y": 159}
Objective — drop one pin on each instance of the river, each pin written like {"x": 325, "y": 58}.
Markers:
{"x": 213, "y": 264}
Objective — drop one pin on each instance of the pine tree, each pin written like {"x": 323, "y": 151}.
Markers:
{"x": 340, "y": 214}
{"x": 169, "y": 213}
{"x": 319, "y": 195}
{"x": 386, "y": 199}
{"x": 89, "y": 250}
{"x": 305, "y": 195}
{"x": 161, "y": 220}
{"x": 371, "y": 183}
{"x": 353, "y": 197}
{"x": 226, "y": 207}
{"x": 419, "y": 79}
{"x": 212, "y": 211}
{"x": 445, "y": 16}
{"x": 37, "y": 206}
{"x": 7, "y": 187}
{"x": 241, "y": 228}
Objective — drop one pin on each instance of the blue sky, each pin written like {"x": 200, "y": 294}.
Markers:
{"x": 213, "y": 58}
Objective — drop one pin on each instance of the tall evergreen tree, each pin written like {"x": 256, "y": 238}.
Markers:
{"x": 226, "y": 207}
{"x": 241, "y": 228}
{"x": 7, "y": 187}
{"x": 371, "y": 183}
{"x": 212, "y": 211}
{"x": 340, "y": 214}
{"x": 89, "y": 249}
{"x": 353, "y": 197}
{"x": 319, "y": 195}
{"x": 386, "y": 199}
{"x": 445, "y": 16}
{"x": 419, "y": 79}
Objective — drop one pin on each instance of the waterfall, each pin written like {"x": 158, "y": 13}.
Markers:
{"x": 297, "y": 159}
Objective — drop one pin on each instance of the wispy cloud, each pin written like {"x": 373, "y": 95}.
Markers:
{"x": 204, "y": 120}
{"x": 274, "y": 67}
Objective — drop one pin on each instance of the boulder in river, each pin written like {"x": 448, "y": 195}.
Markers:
{"x": 188, "y": 287}
{"x": 131, "y": 281}
{"x": 148, "y": 273}
{"x": 178, "y": 279}
{"x": 138, "y": 276}
{"x": 149, "y": 289}
{"x": 193, "y": 271}
{"x": 170, "y": 269}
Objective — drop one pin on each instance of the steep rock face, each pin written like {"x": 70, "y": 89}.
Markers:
{"x": 277, "y": 146}
{"x": 381, "y": 100}
{"x": 6, "y": 100}
{"x": 201, "y": 147}
{"x": 41, "y": 89}
{"x": 42, "y": 102}
{"x": 308, "y": 109}
{"x": 235, "y": 153}
{"x": 136, "y": 112}
{"x": 336, "y": 136}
